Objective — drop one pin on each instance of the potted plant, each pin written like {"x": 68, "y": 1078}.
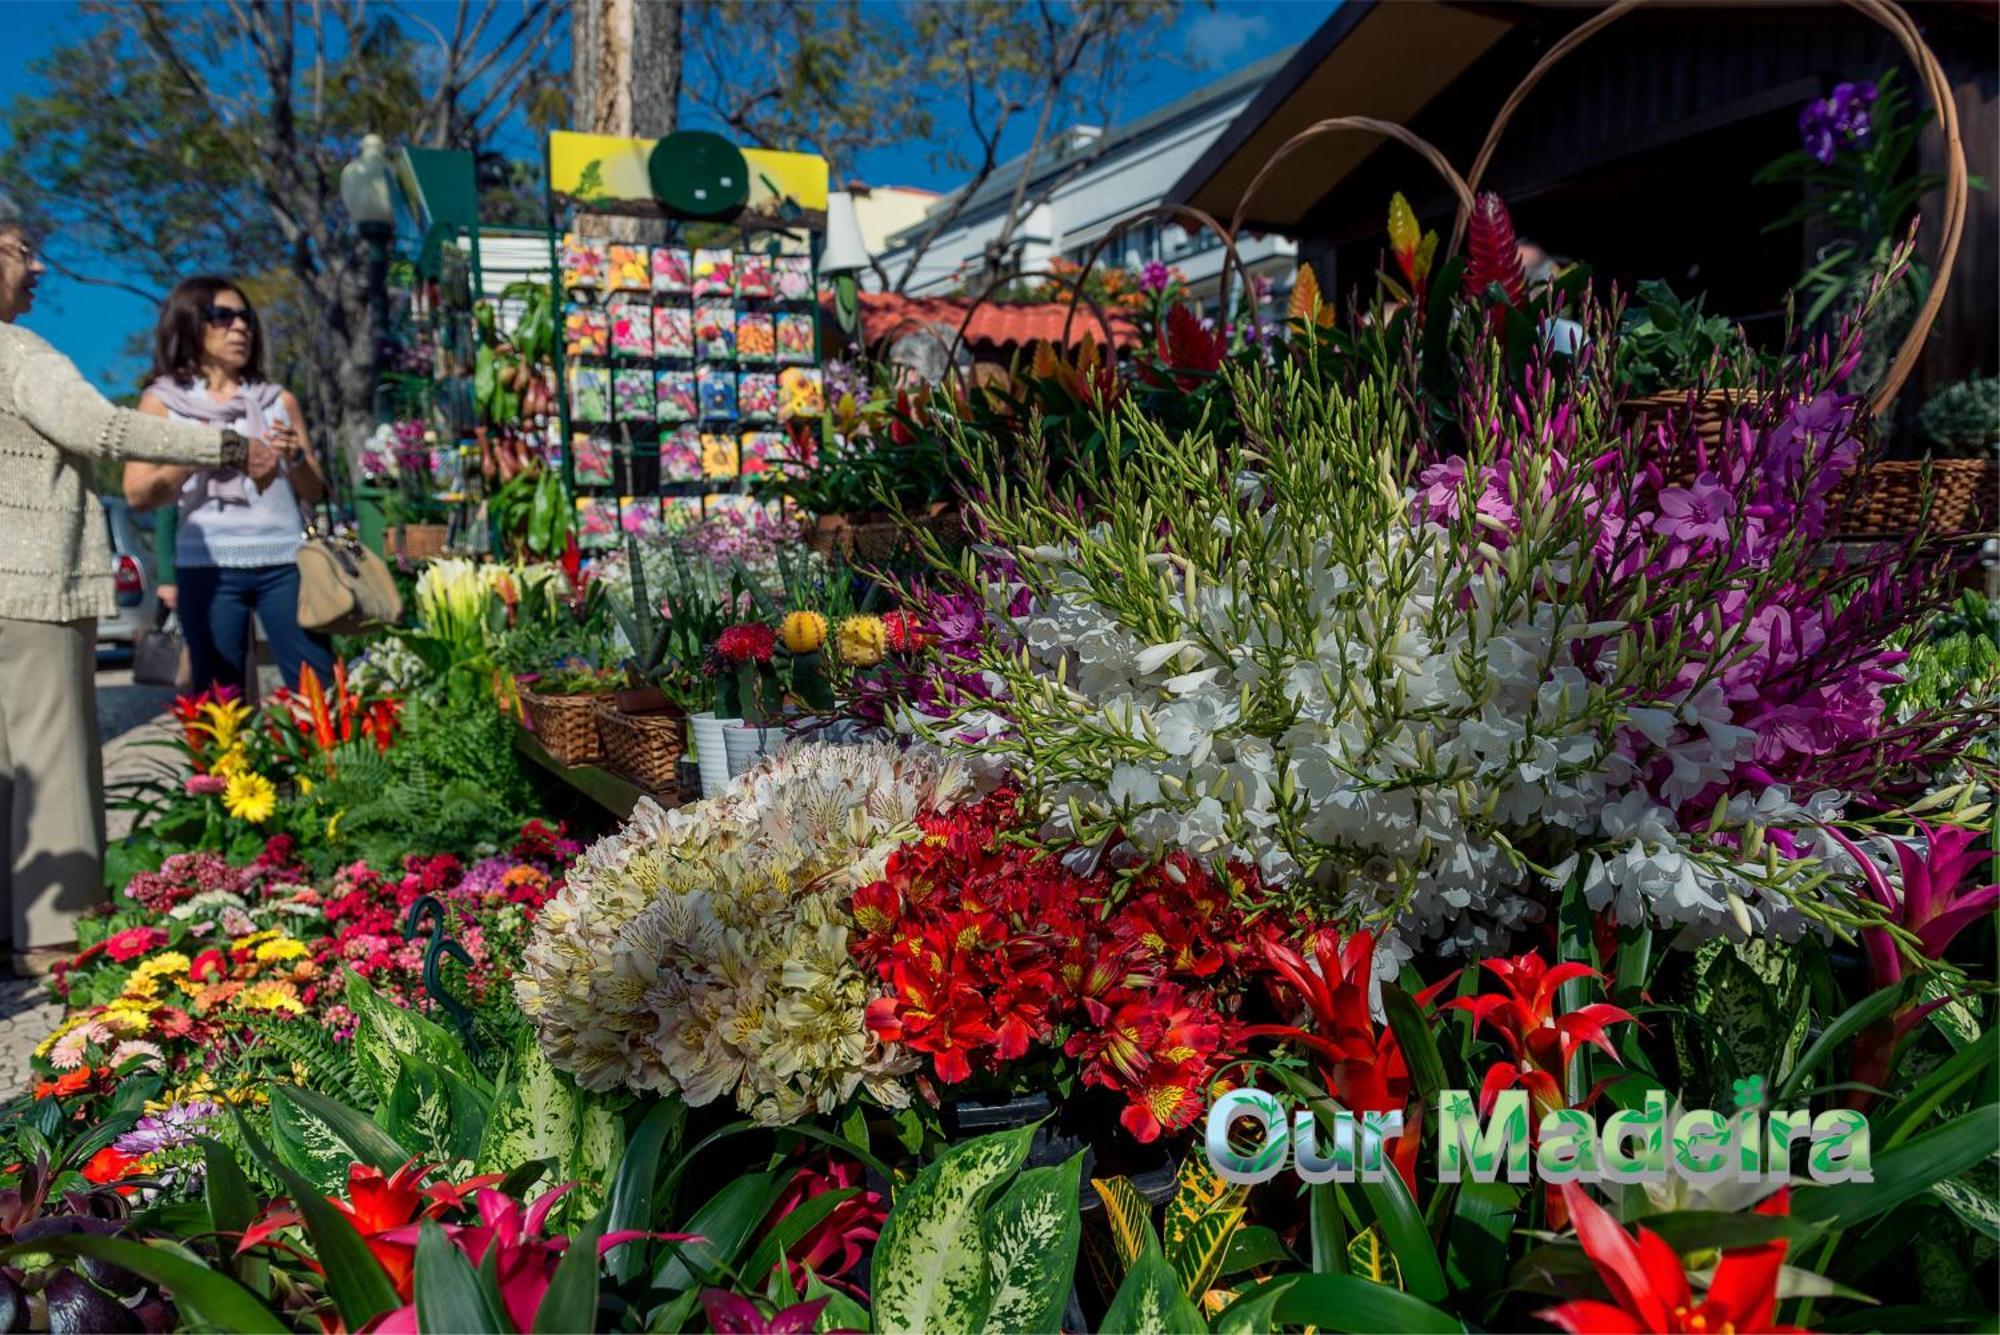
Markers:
{"x": 644, "y": 730}
{"x": 562, "y": 710}
{"x": 1674, "y": 357}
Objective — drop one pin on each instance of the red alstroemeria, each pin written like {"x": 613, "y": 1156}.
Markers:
{"x": 1541, "y": 1042}
{"x": 1649, "y": 1286}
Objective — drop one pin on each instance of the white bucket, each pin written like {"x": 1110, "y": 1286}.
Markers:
{"x": 711, "y": 752}
{"x": 748, "y": 744}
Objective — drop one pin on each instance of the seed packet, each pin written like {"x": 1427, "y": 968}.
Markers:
{"x": 756, "y": 336}
{"x": 589, "y": 394}
{"x": 673, "y": 331}
{"x": 640, "y": 517}
{"x": 754, "y": 276}
{"x": 629, "y": 268}
{"x": 583, "y": 263}
{"x": 715, "y": 387}
{"x": 675, "y": 395}
{"x": 592, "y": 458}
{"x": 792, "y": 277}
{"x": 715, "y": 331}
{"x": 631, "y": 327}
{"x": 596, "y": 523}
{"x": 795, "y": 336}
{"x": 682, "y": 512}
{"x": 714, "y": 273}
{"x": 760, "y": 451}
{"x": 670, "y": 271}
{"x": 586, "y": 332}
{"x": 757, "y": 396}
{"x": 801, "y": 393}
{"x": 680, "y": 455}
{"x": 718, "y": 456}
{"x": 632, "y": 395}
{"x": 729, "y": 502}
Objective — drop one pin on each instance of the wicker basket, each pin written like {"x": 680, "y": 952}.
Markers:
{"x": 566, "y": 726}
{"x": 877, "y": 539}
{"x": 645, "y": 748}
{"x": 1708, "y": 413}
{"x": 417, "y": 542}
{"x": 1964, "y": 497}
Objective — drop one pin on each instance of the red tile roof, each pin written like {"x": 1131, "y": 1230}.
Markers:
{"x": 996, "y": 326}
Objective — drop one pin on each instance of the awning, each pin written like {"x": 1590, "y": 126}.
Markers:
{"x": 996, "y": 328}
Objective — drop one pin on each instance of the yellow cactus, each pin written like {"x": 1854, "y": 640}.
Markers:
{"x": 862, "y": 641}
{"x": 803, "y": 632}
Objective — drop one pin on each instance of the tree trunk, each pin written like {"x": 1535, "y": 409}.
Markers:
{"x": 625, "y": 79}
{"x": 656, "y": 69}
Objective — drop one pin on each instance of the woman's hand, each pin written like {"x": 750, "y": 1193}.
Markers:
{"x": 263, "y": 463}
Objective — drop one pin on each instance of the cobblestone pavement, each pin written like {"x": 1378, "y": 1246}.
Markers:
{"x": 27, "y": 1014}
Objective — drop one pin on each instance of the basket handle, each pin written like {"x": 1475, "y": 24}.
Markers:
{"x": 1929, "y": 73}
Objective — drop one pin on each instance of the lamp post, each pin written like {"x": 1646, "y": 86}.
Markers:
{"x": 843, "y": 259}
{"x": 366, "y": 189}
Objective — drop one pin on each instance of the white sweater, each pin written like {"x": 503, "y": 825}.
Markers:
{"x": 55, "y": 557}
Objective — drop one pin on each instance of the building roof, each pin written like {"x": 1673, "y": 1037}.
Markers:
{"x": 886, "y": 316}
{"x": 998, "y": 187}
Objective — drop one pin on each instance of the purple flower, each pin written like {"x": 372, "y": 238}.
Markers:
{"x": 1839, "y": 120}
{"x": 1154, "y": 277}
{"x": 172, "y": 1129}
{"x": 1695, "y": 513}
{"x": 1816, "y": 130}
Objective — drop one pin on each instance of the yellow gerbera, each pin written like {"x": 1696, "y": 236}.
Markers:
{"x": 165, "y": 964}
{"x": 284, "y": 948}
{"x": 141, "y": 987}
{"x": 250, "y": 797}
{"x": 271, "y": 997}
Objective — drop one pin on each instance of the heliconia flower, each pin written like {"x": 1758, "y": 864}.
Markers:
{"x": 1492, "y": 254}
{"x": 1649, "y": 1286}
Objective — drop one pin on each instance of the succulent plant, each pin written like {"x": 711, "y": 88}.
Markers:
{"x": 1963, "y": 419}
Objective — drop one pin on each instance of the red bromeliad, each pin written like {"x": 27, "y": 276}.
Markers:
{"x": 835, "y": 1246}
{"x": 1541, "y": 1042}
{"x": 1649, "y": 1286}
{"x": 379, "y": 1207}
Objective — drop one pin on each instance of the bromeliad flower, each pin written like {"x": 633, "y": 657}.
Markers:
{"x": 1649, "y": 1286}
{"x": 1540, "y": 1042}
{"x": 731, "y": 1315}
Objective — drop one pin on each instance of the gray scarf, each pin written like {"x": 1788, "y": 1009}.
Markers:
{"x": 249, "y": 412}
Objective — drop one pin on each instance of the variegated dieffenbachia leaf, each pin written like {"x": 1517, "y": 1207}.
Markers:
{"x": 1130, "y": 1217}
{"x": 600, "y": 1143}
{"x": 308, "y": 1145}
{"x": 534, "y": 1118}
{"x": 930, "y": 1269}
{"x": 383, "y": 1030}
{"x": 1150, "y": 1301}
{"x": 1031, "y": 1238}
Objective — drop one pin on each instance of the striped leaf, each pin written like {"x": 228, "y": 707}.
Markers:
{"x": 1031, "y": 1239}
{"x": 1150, "y": 1301}
{"x": 1197, "y": 1255}
{"x": 1198, "y": 1190}
{"x": 1368, "y": 1258}
{"x": 930, "y": 1270}
{"x": 1131, "y": 1219}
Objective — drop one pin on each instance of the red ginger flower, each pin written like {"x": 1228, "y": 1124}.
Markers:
{"x": 1649, "y": 1288}
{"x": 1492, "y": 254}
{"x": 748, "y": 642}
{"x": 1186, "y": 346}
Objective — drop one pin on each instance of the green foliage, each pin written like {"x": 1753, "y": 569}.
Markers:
{"x": 1671, "y": 344}
{"x": 1963, "y": 419}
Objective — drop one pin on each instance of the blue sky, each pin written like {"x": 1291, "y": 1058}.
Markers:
{"x": 92, "y": 324}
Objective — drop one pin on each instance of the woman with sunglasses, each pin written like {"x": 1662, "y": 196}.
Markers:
{"x": 236, "y": 547}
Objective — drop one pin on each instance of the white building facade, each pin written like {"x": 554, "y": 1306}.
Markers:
{"x": 1085, "y": 182}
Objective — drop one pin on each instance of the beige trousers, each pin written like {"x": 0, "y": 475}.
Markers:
{"x": 51, "y": 778}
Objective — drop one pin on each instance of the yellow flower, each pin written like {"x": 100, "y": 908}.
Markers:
{"x": 250, "y": 797}
{"x": 223, "y": 720}
{"x": 230, "y": 763}
{"x": 127, "y": 1018}
{"x": 305, "y": 786}
{"x": 284, "y": 948}
{"x": 167, "y": 962}
{"x": 862, "y": 640}
{"x": 141, "y": 987}
{"x": 803, "y": 632}
{"x": 271, "y": 997}
{"x": 333, "y": 825}
{"x": 256, "y": 938}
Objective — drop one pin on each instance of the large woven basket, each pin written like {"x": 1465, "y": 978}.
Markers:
{"x": 1708, "y": 413}
{"x": 417, "y": 542}
{"x": 566, "y": 726}
{"x": 878, "y": 540}
{"x": 1964, "y": 497}
{"x": 645, "y": 748}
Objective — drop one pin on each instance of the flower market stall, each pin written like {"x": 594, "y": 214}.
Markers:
{"x": 1367, "y": 826}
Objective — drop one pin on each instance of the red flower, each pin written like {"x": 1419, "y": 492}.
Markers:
{"x": 64, "y": 1085}
{"x": 109, "y": 1165}
{"x": 836, "y": 1244}
{"x": 1186, "y": 346}
{"x": 1649, "y": 1287}
{"x": 1492, "y": 255}
{"x": 749, "y": 642}
{"x": 1540, "y": 1042}
{"x": 903, "y": 631}
{"x": 210, "y": 966}
{"x": 378, "y": 1206}
{"x": 133, "y": 942}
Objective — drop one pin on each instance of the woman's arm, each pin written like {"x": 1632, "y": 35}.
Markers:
{"x": 302, "y": 469}
{"x": 148, "y": 486}
{"x": 53, "y": 397}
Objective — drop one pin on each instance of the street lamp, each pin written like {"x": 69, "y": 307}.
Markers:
{"x": 366, "y": 189}
{"x": 843, "y": 259}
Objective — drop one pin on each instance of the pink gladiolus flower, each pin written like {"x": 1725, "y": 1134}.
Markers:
{"x": 1697, "y": 513}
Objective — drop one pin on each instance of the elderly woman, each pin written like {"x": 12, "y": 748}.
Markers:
{"x": 55, "y": 581}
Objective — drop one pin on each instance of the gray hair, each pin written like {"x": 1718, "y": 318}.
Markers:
{"x": 11, "y": 217}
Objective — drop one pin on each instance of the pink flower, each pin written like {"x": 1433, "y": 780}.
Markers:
{"x": 205, "y": 785}
{"x": 1696, "y": 513}
{"x": 133, "y": 942}
{"x": 731, "y": 1315}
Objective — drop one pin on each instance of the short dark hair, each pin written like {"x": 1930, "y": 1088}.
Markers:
{"x": 177, "y": 338}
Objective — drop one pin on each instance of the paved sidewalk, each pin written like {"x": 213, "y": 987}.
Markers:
{"x": 27, "y": 1014}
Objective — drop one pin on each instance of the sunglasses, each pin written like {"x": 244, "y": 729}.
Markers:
{"x": 221, "y": 317}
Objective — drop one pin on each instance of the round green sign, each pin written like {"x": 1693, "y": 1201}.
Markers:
{"x": 699, "y": 175}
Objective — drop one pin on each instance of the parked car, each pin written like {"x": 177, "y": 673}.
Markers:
{"x": 132, "y": 570}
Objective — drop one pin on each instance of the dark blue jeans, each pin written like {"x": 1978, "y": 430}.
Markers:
{"x": 216, "y": 605}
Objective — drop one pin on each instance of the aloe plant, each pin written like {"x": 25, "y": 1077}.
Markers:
{"x": 646, "y": 631}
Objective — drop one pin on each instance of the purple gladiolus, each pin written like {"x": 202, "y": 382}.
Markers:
{"x": 1154, "y": 277}
{"x": 1698, "y": 513}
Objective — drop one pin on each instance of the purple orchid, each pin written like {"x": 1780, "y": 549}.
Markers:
{"x": 1154, "y": 277}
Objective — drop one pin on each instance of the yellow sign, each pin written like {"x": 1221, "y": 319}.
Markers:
{"x": 604, "y": 173}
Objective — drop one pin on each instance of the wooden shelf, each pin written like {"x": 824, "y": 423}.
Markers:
{"x": 614, "y": 792}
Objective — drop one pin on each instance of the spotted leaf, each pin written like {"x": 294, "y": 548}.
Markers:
{"x": 930, "y": 1271}
{"x": 1031, "y": 1241}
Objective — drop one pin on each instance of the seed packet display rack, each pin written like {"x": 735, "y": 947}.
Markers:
{"x": 685, "y": 368}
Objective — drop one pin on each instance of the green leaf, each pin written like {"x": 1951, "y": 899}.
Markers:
{"x": 571, "y": 1302}
{"x": 631, "y": 1203}
{"x": 1481, "y": 1231}
{"x": 930, "y": 1270}
{"x": 1251, "y": 1246}
{"x": 1343, "y": 1302}
{"x": 1418, "y": 1043}
{"x": 1976, "y": 1209}
{"x": 1403, "y": 1229}
{"x": 1255, "y": 1313}
{"x": 232, "y": 1202}
{"x": 1895, "y": 1126}
{"x": 1902, "y": 1172}
{"x": 308, "y": 1144}
{"x": 594, "y": 1159}
{"x": 840, "y": 1313}
{"x": 449, "y": 1296}
{"x": 355, "y": 1280}
{"x": 536, "y": 1118}
{"x": 1329, "y": 1230}
{"x": 1836, "y": 1036}
{"x": 1368, "y": 1259}
{"x": 722, "y": 1226}
{"x": 211, "y": 1298}
{"x": 1150, "y": 1301}
{"x": 1032, "y": 1234}
{"x": 370, "y": 1144}
{"x": 384, "y": 1029}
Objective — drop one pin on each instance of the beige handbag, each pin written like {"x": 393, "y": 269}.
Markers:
{"x": 344, "y": 589}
